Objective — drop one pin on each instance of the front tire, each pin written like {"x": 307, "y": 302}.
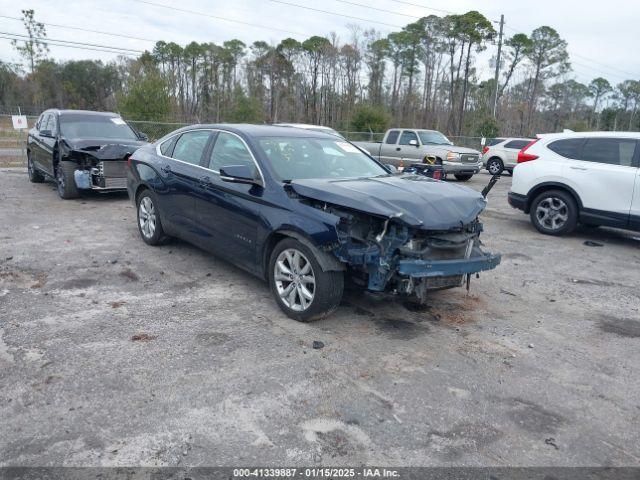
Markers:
{"x": 34, "y": 175}
{"x": 149, "y": 224}
{"x": 66, "y": 183}
{"x": 554, "y": 212}
{"x": 495, "y": 166}
{"x": 463, "y": 177}
{"x": 301, "y": 288}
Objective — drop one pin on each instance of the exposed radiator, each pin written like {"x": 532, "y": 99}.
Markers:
{"x": 114, "y": 169}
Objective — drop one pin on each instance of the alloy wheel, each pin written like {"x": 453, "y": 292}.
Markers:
{"x": 494, "y": 167}
{"x": 147, "y": 217}
{"x": 552, "y": 213}
{"x": 295, "y": 280}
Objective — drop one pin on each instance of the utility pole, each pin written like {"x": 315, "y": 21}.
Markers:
{"x": 497, "y": 77}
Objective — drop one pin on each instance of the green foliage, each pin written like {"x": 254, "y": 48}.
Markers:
{"x": 369, "y": 118}
{"x": 246, "y": 109}
{"x": 488, "y": 128}
{"x": 146, "y": 97}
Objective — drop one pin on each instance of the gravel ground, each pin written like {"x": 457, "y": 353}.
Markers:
{"x": 116, "y": 353}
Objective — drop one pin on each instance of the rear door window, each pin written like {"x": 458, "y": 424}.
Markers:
{"x": 568, "y": 148}
{"x": 612, "y": 151}
{"x": 166, "y": 147}
{"x": 407, "y": 136}
{"x": 517, "y": 144}
{"x": 392, "y": 137}
{"x": 44, "y": 124}
{"x": 190, "y": 146}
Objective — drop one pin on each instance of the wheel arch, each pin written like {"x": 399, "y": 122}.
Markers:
{"x": 545, "y": 186}
{"x": 327, "y": 261}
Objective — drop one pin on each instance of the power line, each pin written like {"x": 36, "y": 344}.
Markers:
{"x": 75, "y": 46}
{"x": 47, "y": 40}
{"x": 448, "y": 12}
{"x": 68, "y": 27}
{"x": 333, "y": 13}
{"x": 202, "y": 14}
{"x": 369, "y": 7}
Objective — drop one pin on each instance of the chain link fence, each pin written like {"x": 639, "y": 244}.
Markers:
{"x": 13, "y": 142}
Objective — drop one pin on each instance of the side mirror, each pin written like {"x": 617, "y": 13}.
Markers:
{"x": 239, "y": 174}
{"x": 414, "y": 143}
{"x": 143, "y": 136}
{"x": 46, "y": 133}
{"x": 391, "y": 168}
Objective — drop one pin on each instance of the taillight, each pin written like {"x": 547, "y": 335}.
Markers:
{"x": 129, "y": 161}
{"x": 523, "y": 156}
{"x": 437, "y": 175}
{"x": 485, "y": 150}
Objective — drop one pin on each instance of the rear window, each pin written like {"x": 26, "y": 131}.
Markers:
{"x": 613, "y": 151}
{"x": 392, "y": 137}
{"x": 494, "y": 141}
{"x": 517, "y": 144}
{"x": 569, "y": 147}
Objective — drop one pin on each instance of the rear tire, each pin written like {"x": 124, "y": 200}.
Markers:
{"x": 463, "y": 177}
{"x": 495, "y": 166}
{"x": 34, "y": 175}
{"x": 554, "y": 212}
{"x": 65, "y": 180}
{"x": 148, "y": 219}
{"x": 301, "y": 288}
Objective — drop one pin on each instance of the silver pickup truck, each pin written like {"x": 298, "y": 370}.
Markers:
{"x": 402, "y": 147}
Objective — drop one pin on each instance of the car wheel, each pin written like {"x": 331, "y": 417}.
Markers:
{"x": 34, "y": 175}
{"x": 463, "y": 177}
{"x": 66, "y": 183}
{"x": 554, "y": 212}
{"x": 495, "y": 166}
{"x": 301, "y": 288}
{"x": 149, "y": 224}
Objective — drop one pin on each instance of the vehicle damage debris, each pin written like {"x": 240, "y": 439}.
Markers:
{"x": 98, "y": 167}
{"x": 408, "y": 252}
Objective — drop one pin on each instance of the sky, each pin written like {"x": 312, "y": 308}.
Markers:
{"x": 602, "y": 36}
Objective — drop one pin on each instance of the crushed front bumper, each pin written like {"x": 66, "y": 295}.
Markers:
{"x": 108, "y": 175}
{"x": 417, "y": 268}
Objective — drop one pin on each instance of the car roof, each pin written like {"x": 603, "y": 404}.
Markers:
{"x": 308, "y": 126}
{"x": 263, "y": 130}
{"x": 552, "y": 136}
{"x": 83, "y": 112}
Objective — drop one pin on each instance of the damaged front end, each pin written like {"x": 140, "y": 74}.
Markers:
{"x": 390, "y": 255}
{"x": 99, "y": 167}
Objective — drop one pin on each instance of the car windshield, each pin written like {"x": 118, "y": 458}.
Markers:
{"x": 295, "y": 158}
{"x": 95, "y": 126}
{"x": 428, "y": 137}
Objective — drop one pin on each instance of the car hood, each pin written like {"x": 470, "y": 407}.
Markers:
{"x": 104, "y": 148}
{"x": 414, "y": 199}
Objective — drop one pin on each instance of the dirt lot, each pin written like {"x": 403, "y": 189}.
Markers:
{"x": 116, "y": 353}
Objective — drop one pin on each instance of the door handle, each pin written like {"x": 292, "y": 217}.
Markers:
{"x": 205, "y": 180}
{"x": 166, "y": 168}
{"x": 398, "y": 149}
{"x": 578, "y": 168}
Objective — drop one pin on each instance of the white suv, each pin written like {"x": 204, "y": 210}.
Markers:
{"x": 502, "y": 154}
{"x": 589, "y": 177}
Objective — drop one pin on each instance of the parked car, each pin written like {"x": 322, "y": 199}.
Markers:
{"x": 591, "y": 178}
{"x": 81, "y": 149}
{"x": 502, "y": 154}
{"x": 306, "y": 211}
{"x": 403, "y": 147}
{"x": 314, "y": 128}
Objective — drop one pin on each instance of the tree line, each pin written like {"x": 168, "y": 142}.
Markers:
{"x": 424, "y": 75}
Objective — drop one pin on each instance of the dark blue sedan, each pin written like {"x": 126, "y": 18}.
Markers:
{"x": 307, "y": 212}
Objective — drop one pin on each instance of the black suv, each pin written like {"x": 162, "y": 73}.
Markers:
{"x": 81, "y": 150}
